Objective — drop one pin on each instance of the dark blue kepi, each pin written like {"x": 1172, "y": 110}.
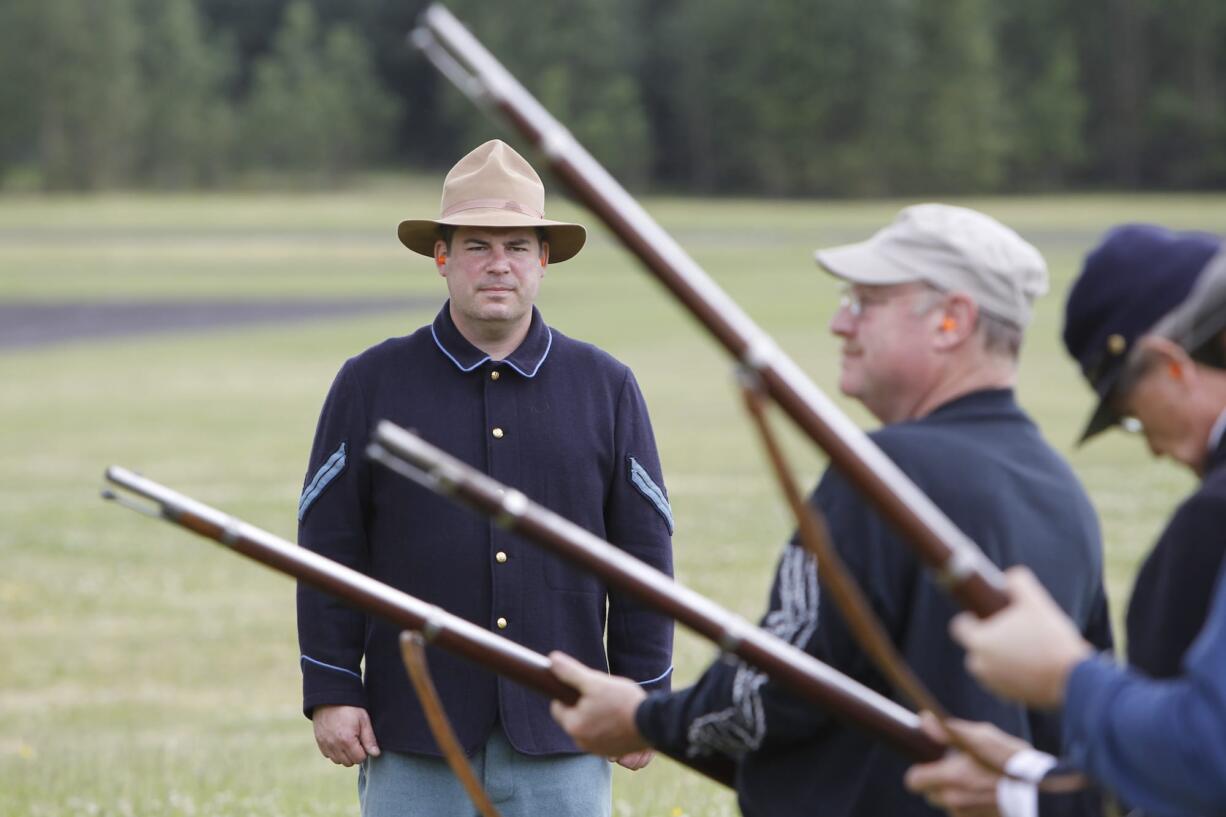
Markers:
{"x": 1134, "y": 277}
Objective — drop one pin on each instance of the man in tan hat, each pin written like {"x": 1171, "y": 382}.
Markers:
{"x": 931, "y": 322}
{"x": 558, "y": 419}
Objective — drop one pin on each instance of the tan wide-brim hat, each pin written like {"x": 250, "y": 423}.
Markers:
{"x": 493, "y": 186}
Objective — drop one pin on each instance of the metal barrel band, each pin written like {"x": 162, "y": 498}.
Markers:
{"x": 514, "y": 504}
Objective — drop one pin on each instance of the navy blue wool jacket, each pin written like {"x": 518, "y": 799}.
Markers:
{"x": 1174, "y": 587}
{"x": 984, "y": 463}
{"x": 557, "y": 419}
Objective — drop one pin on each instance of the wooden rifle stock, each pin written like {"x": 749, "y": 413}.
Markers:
{"x": 449, "y": 632}
{"x": 411, "y": 457}
{"x": 958, "y": 563}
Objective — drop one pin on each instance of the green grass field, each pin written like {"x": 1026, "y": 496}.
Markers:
{"x": 148, "y": 672}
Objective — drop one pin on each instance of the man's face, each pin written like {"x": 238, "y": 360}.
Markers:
{"x": 886, "y": 363}
{"x": 1157, "y": 403}
{"x": 493, "y": 273}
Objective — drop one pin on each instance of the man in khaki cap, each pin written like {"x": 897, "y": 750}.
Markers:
{"x": 558, "y": 419}
{"x": 931, "y": 323}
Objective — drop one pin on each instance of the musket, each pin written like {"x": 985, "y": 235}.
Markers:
{"x": 958, "y": 563}
{"x": 445, "y": 630}
{"x": 850, "y": 701}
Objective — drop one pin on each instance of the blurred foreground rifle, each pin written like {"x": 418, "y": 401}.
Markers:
{"x": 848, "y": 700}
{"x": 447, "y": 631}
{"x": 958, "y": 562}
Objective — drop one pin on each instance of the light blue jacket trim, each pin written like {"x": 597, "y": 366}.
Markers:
{"x": 642, "y": 480}
{"x": 451, "y": 357}
{"x": 323, "y": 477}
{"x": 659, "y": 677}
{"x": 463, "y": 368}
{"x": 338, "y": 669}
{"x": 539, "y": 363}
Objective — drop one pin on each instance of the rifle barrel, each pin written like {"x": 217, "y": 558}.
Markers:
{"x": 958, "y": 562}
{"x": 448, "y": 631}
{"x": 409, "y": 455}
{"x": 376, "y": 598}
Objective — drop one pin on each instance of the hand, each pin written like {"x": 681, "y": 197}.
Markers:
{"x": 635, "y": 760}
{"x": 1027, "y": 650}
{"x": 602, "y": 720}
{"x": 344, "y": 734}
{"x": 957, "y": 783}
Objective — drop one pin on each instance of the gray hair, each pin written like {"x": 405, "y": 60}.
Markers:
{"x": 999, "y": 336}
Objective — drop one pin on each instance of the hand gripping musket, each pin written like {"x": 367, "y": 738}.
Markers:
{"x": 437, "y": 626}
{"x": 411, "y": 457}
{"x": 958, "y": 563}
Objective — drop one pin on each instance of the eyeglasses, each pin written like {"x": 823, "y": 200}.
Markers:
{"x": 857, "y": 301}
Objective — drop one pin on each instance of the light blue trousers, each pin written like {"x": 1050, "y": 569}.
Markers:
{"x": 403, "y": 785}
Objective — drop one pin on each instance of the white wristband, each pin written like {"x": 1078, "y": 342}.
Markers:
{"x": 1018, "y": 796}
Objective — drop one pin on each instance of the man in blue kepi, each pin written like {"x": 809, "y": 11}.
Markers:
{"x": 490, "y": 382}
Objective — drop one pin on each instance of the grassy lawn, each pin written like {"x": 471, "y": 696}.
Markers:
{"x": 146, "y": 672}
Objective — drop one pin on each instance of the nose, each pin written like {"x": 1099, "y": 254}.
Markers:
{"x": 842, "y": 324}
{"x": 500, "y": 260}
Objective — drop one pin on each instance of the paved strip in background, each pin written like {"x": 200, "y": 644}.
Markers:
{"x": 32, "y": 325}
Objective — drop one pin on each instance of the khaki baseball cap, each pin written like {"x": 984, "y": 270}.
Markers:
{"x": 954, "y": 249}
{"x": 493, "y": 186}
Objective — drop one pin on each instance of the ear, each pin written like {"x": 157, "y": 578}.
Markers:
{"x": 956, "y": 321}
{"x": 440, "y": 256}
{"x": 1172, "y": 357}
{"x": 544, "y": 254}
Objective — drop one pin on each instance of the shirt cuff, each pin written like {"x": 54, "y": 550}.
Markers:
{"x": 649, "y": 722}
{"x": 661, "y": 683}
{"x": 1018, "y": 796}
{"x": 325, "y": 684}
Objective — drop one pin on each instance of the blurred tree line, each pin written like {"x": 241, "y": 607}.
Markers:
{"x": 776, "y": 97}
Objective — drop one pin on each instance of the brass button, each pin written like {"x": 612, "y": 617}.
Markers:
{"x": 494, "y": 375}
{"x": 500, "y": 557}
{"x": 497, "y": 433}
{"x": 502, "y": 623}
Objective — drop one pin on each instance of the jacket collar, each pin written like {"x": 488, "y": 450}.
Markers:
{"x": 526, "y": 359}
{"x": 986, "y": 402}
